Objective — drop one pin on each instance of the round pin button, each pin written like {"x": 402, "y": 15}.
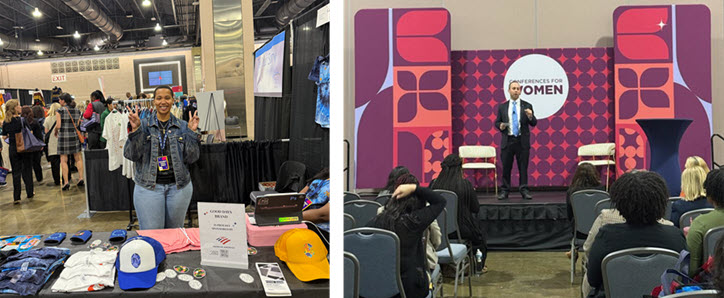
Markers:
{"x": 170, "y": 273}
{"x": 185, "y": 277}
{"x": 251, "y": 251}
{"x": 160, "y": 276}
{"x": 195, "y": 284}
{"x": 181, "y": 269}
{"x": 199, "y": 273}
{"x": 246, "y": 277}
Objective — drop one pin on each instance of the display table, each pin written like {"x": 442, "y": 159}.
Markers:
{"x": 664, "y": 136}
{"x": 218, "y": 283}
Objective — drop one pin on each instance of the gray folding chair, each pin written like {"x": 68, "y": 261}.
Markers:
{"x": 710, "y": 238}
{"x": 601, "y": 205}
{"x": 688, "y": 217}
{"x": 634, "y": 272}
{"x": 694, "y": 294}
{"x": 351, "y": 276}
{"x": 436, "y": 280}
{"x": 583, "y": 203}
{"x": 453, "y": 253}
{"x": 350, "y": 196}
{"x": 362, "y": 211}
{"x": 378, "y": 252}
{"x": 349, "y": 222}
{"x": 670, "y": 201}
{"x": 383, "y": 199}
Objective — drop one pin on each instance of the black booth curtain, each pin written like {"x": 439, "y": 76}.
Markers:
{"x": 309, "y": 142}
{"x": 229, "y": 172}
{"x": 224, "y": 173}
{"x": 25, "y": 98}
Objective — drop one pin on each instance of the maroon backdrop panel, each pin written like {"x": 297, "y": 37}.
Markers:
{"x": 586, "y": 117}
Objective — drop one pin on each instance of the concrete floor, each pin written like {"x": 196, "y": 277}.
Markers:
{"x": 513, "y": 274}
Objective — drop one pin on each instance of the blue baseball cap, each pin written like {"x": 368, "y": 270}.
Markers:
{"x": 138, "y": 261}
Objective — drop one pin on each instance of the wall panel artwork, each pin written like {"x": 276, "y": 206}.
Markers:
{"x": 663, "y": 70}
{"x": 402, "y": 93}
{"x": 582, "y": 116}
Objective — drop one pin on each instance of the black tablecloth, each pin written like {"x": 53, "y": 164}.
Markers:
{"x": 218, "y": 283}
{"x": 526, "y": 226}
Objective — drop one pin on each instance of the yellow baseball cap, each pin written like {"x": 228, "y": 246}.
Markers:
{"x": 304, "y": 253}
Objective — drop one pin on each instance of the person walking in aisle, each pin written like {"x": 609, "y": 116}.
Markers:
{"x": 21, "y": 162}
{"x": 162, "y": 147}
{"x": 51, "y": 142}
{"x": 29, "y": 117}
{"x": 67, "y": 127}
{"x": 96, "y": 106}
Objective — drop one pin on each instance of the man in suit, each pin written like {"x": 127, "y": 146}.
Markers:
{"x": 515, "y": 138}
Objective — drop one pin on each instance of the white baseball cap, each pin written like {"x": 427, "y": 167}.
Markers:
{"x": 138, "y": 261}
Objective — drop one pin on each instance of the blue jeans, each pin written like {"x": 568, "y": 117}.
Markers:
{"x": 162, "y": 208}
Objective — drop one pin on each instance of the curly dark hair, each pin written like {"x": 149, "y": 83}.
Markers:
{"x": 640, "y": 197}
{"x": 714, "y": 186}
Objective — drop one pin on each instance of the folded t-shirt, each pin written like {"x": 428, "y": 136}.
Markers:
{"x": 175, "y": 240}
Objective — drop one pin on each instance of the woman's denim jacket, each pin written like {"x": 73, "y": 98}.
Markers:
{"x": 143, "y": 145}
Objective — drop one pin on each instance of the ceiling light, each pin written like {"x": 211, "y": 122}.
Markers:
{"x": 36, "y": 13}
{"x": 153, "y": 18}
{"x": 146, "y": 3}
{"x": 76, "y": 34}
{"x": 40, "y": 52}
{"x": 96, "y": 48}
{"x": 1, "y": 42}
{"x": 158, "y": 27}
{"x": 59, "y": 27}
{"x": 164, "y": 43}
{"x": 130, "y": 15}
{"x": 37, "y": 39}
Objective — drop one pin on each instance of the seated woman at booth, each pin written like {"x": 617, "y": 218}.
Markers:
{"x": 316, "y": 201}
{"x": 408, "y": 214}
{"x": 640, "y": 197}
{"x": 692, "y": 186}
{"x": 162, "y": 147}
{"x": 714, "y": 187}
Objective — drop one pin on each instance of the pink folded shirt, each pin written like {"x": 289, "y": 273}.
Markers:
{"x": 175, "y": 240}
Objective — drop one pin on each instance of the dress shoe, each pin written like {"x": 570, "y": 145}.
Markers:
{"x": 526, "y": 195}
{"x": 503, "y": 196}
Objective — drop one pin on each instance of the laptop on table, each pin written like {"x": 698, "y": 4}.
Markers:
{"x": 279, "y": 209}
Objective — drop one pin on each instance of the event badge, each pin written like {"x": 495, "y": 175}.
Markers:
{"x": 163, "y": 163}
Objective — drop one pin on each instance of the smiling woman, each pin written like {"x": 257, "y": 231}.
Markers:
{"x": 162, "y": 146}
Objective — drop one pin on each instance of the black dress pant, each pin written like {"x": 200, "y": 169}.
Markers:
{"x": 22, "y": 164}
{"x": 515, "y": 150}
{"x": 37, "y": 167}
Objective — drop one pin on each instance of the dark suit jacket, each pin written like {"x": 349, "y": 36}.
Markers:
{"x": 524, "y": 123}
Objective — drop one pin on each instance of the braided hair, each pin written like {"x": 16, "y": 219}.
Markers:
{"x": 640, "y": 197}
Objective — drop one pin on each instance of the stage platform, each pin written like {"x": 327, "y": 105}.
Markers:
{"x": 517, "y": 224}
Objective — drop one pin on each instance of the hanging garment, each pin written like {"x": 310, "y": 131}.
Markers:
{"x": 320, "y": 75}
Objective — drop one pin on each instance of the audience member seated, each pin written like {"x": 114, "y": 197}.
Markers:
{"x": 640, "y": 197}
{"x": 316, "y": 202}
{"x": 392, "y": 178}
{"x": 451, "y": 178}
{"x": 408, "y": 215}
{"x": 434, "y": 236}
{"x": 692, "y": 186}
{"x": 714, "y": 187}
{"x": 585, "y": 177}
{"x": 696, "y": 161}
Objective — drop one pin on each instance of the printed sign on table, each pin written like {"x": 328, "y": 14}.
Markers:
{"x": 223, "y": 235}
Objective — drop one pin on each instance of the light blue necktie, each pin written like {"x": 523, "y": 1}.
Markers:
{"x": 516, "y": 125}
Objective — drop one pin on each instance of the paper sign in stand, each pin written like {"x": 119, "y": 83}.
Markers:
{"x": 223, "y": 235}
